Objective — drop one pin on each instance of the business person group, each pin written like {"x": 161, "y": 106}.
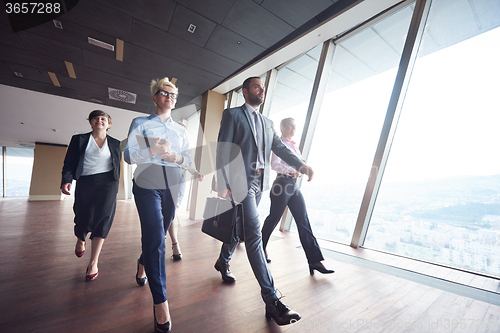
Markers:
{"x": 160, "y": 148}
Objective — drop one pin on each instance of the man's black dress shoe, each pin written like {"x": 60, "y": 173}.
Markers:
{"x": 281, "y": 313}
{"x": 320, "y": 269}
{"x": 162, "y": 328}
{"x": 140, "y": 281}
{"x": 223, "y": 268}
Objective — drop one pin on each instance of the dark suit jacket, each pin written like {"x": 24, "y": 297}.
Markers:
{"x": 73, "y": 162}
{"x": 236, "y": 141}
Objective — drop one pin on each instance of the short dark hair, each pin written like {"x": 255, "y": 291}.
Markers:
{"x": 246, "y": 83}
{"x": 99, "y": 113}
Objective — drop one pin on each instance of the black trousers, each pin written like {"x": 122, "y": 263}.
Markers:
{"x": 285, "y": 192}
{"x": 95, "y": 205}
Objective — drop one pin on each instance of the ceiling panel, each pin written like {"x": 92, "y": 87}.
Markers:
{"x": 33, "y": 59}
{"x": 156, "y": 40}
{"x": 47, "y": 88}
{"x": 51, "y": 48}
{"x": 163, "y": 65}
{"x": 97, "y": 16}
{"x": 154, "y": 12}
{"x": 296, "y": 12}
{"x": 4, "y": 69}
{"x": 75, "y": 35}
{"x": 7, "y": 38}
{"x": 215, "y": 10}
{"x": 233, "y": 46}
{"x": 256, "y": 23}
{"x": 29, "y": 73}
{"x": 183, "y": 19}
{"x": 118, "y": 68}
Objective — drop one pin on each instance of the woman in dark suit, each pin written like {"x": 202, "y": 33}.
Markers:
{"x": 93, "y": 160}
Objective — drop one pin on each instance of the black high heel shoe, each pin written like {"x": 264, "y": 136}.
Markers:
{"x": 267, "y": 257}
{"x": 176, "y": 257}
{"x": 162, "y": 328}
{"x": 322, "y": 270}
{"x": 140, "y": 281}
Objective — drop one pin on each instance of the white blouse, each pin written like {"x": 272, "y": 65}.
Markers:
{"x": 97, "y": 160}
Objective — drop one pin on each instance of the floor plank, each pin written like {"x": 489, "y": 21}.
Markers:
{"x": 43, "y": 289}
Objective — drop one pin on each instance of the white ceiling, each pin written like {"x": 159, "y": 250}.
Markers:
{"x": 28, "y": 116}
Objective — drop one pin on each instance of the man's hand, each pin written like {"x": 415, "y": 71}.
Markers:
{"x": 66, "y": 188}
{"x": 160, "y": 146}
{"x": 308, "y": 171}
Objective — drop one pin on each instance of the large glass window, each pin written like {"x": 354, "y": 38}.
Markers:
{"x": 440, "y": 195}
{"x": 359, "y": 86}
{"x": 290, "y": 98}
{"x": 19, "y": 165}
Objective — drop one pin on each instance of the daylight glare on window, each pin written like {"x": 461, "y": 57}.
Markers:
{"x": 440, "y": 196}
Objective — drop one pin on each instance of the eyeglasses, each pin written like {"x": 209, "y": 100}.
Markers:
{"x": 167, "y": 94}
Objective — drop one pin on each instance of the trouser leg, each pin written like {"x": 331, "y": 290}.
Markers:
{"x": 279, "y": 200}
{"x": 156, "y": 210}
{"x": 253, "y": 244}
{"x": 309, "y": 243}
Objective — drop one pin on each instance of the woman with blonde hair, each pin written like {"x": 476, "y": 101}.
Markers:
{"x": 160, "y": 148}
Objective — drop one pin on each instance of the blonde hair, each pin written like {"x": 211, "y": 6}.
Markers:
{"x": 158, "y": 84}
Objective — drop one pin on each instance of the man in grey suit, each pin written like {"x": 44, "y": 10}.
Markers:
{"x": 246, "y": 134}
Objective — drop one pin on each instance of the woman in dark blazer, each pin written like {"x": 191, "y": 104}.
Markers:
{"x": 93, "y": 160}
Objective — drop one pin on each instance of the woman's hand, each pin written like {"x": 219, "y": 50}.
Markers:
{"x": 198, "y": 176}
{"x": 173, "y": 157}
{"x": 66, "y": 188}
{"x": 160, "y": 146}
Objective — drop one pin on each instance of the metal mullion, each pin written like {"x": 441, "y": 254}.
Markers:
{"x": 4, "y": 170}
{"x": 408, "y": 58}
{"x": 319, "y": 88}
{"x": 270, "y": 84}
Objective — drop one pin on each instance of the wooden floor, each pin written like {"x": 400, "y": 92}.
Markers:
{"x": 43, "y": 289}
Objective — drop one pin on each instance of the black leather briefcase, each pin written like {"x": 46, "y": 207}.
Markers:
{"x": 223, "y": 220}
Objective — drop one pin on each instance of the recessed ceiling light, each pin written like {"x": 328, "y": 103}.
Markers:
{"x": 99, "y": 43}
{"x": 192, "y": 28}
{"x": 57, "y": 24}
{"x": 18, "y": 74}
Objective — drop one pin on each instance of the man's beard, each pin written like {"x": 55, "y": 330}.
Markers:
{"x": 255, "y": 100}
